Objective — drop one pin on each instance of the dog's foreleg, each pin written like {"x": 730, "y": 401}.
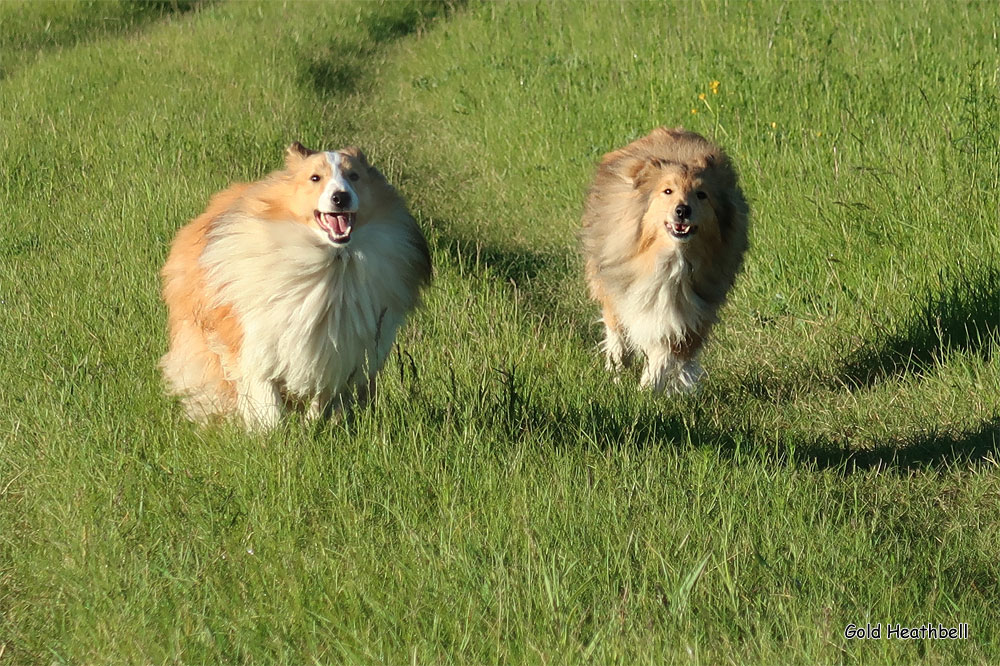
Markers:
{"x": 666, "y": 372}
{"x": 259, "y": 403}
{"x": 318, "y": 406}
{"x": 660, "y": 366}
{"x": 688, "y": 376}
{"x": 614, "y": 351}
{"x": 614, "y": 346}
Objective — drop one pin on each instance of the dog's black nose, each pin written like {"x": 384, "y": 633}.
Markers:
{"x": 683, "y": 212}
{"x": 341, "y": 199}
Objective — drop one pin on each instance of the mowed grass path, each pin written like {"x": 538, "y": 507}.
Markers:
{"x": 503, "y": 501}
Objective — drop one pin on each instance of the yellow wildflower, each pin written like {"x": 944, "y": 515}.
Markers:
{"x": 714, "y": 85}
{"x": 701, "y": 96}
{"x": 694, "y": 110}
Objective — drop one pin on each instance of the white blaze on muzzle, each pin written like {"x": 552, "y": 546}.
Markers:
{"x": 338, "y": 203}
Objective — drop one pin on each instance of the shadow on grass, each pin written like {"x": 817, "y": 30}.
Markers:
{"x": 80, "y": 24}
{"x": 505, "y": 403}
{"x": 340, "y": 67}
{"x": 934, "y": 450}
{"x": 541, "y": 280}
{"x": 963, "y": 316}
{"x": 519, "y": 266}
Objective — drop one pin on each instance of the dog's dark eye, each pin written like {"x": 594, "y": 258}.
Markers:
{"x": 314, "y": 178}
{"x": 702, "y": 195}
{"x": 353, "y": 175}
{"x": 668, "y": 191}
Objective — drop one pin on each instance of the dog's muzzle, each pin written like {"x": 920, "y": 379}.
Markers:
{"x": 681, "y": 229}
{"x": 337, "y": 225}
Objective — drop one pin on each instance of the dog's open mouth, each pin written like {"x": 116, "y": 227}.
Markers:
{"x": 336, "y": 225}
{"x": 680, "y": 229}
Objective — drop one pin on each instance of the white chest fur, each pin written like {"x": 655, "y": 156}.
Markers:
{"x": 317, "y": 319}
{"x": 663, "y": 307}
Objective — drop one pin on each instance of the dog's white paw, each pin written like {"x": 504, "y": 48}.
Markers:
{"x": 259, "y": 405}
{"x": 672, "y": 376}
{"x": 614, "y": 364}
{"x": 689, "y": 377}
{"x": 317, "y": 407}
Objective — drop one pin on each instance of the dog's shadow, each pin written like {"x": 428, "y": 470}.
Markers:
{"x": 506, "y": 401}
{"x": 962, "y": 315}
{"x": 612, "y": 430}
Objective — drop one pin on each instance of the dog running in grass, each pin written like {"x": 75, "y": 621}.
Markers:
{"x": 290, "y": 290}
{"x": 664, "y": 233}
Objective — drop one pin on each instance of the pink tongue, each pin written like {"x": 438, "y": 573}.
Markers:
{"x": 337, "y": 223}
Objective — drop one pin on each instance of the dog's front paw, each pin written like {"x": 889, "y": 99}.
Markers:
{"x": 615, "y": 350}
{"x": 259, "y": 405}
{"x": 318, "y": 407}
{"x": 654, "y": 378}
{"x": 688, "y": 378}
{"x": 614, "y": 363}
{"x": 259, "y": 420}
{"x": 671, "y": 376}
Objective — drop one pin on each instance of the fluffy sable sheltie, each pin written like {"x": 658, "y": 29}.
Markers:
{"x": 289, "y": 291}
{"x": 664, "y": 232}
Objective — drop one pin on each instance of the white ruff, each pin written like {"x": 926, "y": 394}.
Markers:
{"x": 662, "y": 308}
{"x": 318, "y": 320}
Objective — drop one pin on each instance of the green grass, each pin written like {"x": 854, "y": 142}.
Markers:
{"x": 503, "y": 502}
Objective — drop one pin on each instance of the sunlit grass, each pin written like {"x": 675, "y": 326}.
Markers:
{"x": 503, "y": 501}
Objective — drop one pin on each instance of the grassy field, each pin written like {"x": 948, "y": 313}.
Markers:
{"x": 503, "y": 502}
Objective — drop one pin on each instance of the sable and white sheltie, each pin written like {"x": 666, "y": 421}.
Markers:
{"x": 289, "y": 291}
{"x": 664, "y": 232}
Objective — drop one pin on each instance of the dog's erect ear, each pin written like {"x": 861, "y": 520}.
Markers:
{"x": 356, "y": 153}
{"x": 638, "y": 171}
{"x": 296, "y": 152}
